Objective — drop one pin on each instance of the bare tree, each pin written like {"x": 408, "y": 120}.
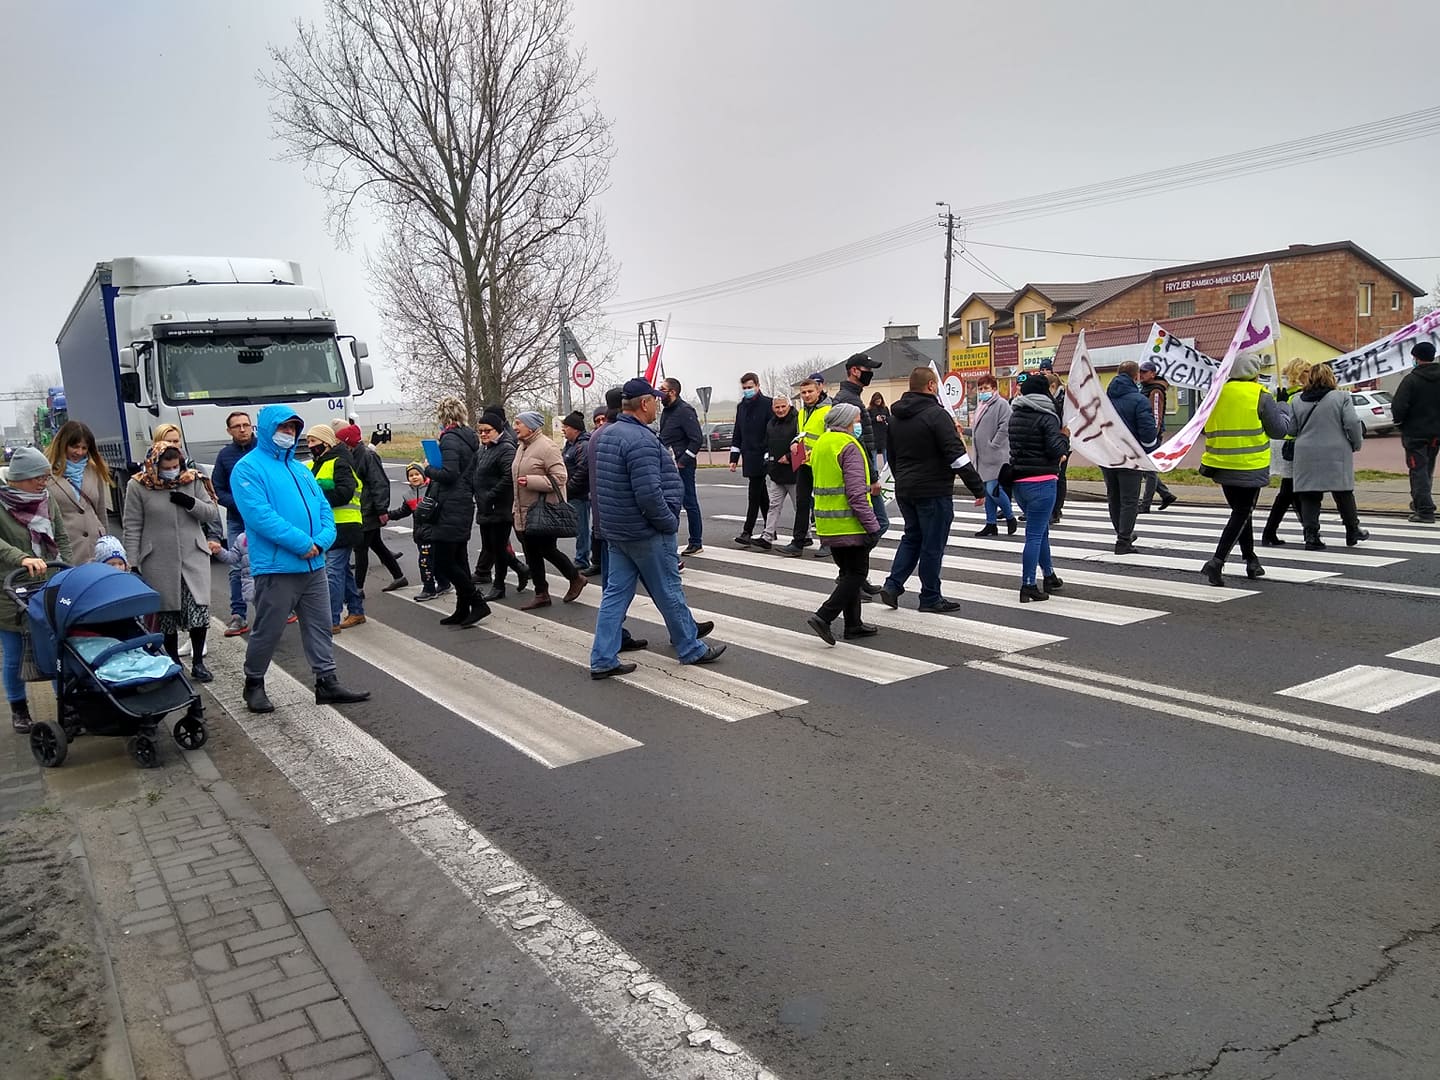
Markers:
{"x": 469, "y": 125}
{"x": 779, "y": 381}
{"x": 1429, "y": 303}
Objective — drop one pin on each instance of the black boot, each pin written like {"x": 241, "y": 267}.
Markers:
{"x": 1269, "y": 539}
{"x": 990, "y": 529}
{"x": 1356, "y": 535}
{"x": 1053, "y": 583}
{"x": 497, "y": 593}
{"x": 522, "y": 579}
{"x": 328, "y": 691}
{"x": 200, "y": 673}
{"x": 20, "y": 717}
{"x": 256, "y": 700}
{"x": 1313, "y": 542}
{"x": 1032, "y": 592}
{"x": 459, "y": 615}
{"x": 1011, "y": 525}
{"x": 478, "y": 610}
{"x": 1253, "y": 569}
{"x": 1211, "y": 570}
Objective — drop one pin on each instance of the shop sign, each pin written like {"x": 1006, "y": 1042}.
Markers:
{"x": 1030, "y": 359}
{"x": 974, "y": 360}
{"x": 1005, "y": 351}
{"x": 1209, "y": 281}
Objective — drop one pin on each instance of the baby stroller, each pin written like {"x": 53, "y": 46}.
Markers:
{"x": 111, "y": 677}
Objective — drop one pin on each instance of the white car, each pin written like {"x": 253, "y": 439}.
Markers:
{"x": 1372, "y": 407}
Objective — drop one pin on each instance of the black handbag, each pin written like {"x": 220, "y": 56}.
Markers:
{"x": 551, "y": 515}
{"x": 1287, "y": 448}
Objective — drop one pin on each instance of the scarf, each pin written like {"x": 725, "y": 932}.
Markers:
{"x": 75, "y": 473}
{"x": 149, "y": 476}
{"x": 32, "y": 510}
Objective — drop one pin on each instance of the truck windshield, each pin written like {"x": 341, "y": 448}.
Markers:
{"x": 285, "y": 368}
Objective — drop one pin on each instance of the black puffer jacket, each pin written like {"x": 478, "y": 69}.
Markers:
{"x": 450, "y": 485}
{"x": 849, "y": 393}
{"x": 375, "y": 495}
{"x": 492, "y": 483}
{"x": 577, "y": 469}
{"x": 923, "y": 445}
{"x": 1416, "y": 405}
{"x": 347, "y": 534}
{"x": 1036, "y": 444}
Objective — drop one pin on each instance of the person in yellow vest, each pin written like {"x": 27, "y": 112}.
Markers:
{"x": 1237, "y": 457}
{"x": 814, "y": 404}
{"x": 334, "y": 471}
{"x": 844, "y": 519}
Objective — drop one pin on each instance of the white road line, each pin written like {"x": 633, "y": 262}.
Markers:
{"x": 1000, "y": 638}
{"x": 1332, "y": 557}
{"x": 1101, "y": 516}
{"x": 1064, "y": 607}
{"x": 871, "y": 665}
{"x": 1163, "y": 528}
{"x": 1365, "y": 688}
{"x": 703, "y": 689}
{"x": 733, "y": 487}
{"x": 1245, "y": 708}
{"x": 538, "y": 727}
{"x": 1178, "y": 710}
{"x": 343, "y": 772}
{"x": 663, "y": 1034}
{"x": 1427, "y": 652}
{"x": 1387, "y": 586}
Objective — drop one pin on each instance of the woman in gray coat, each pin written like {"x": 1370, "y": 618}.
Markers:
{"x": 990, "y": 450}
{"x": 167, "y": 508}
{"x": 1327, "y": 435}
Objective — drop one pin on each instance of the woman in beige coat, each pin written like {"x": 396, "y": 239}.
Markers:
{"x": 540, "y": 470}
{"x": 81, "y": 487}
{"x": 167, "y": 508}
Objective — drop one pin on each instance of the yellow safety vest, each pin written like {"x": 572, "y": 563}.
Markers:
{"x": 1234, "y": 436}
{"x": 350, "y": 513}
{"x": 812, "y": 424}
{"x": 833, "y": 514}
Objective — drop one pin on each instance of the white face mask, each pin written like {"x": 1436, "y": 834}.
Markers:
{"x": 284, "y": 440}
{"x": 169, "y": 474}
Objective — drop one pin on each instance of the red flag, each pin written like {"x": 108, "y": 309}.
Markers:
{"x": 653, "y": 369}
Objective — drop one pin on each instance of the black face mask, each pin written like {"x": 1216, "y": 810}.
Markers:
{"x": 866, "y": 376}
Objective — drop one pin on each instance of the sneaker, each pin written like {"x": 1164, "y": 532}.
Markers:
{"x": 793, "y": 550}
{"x": 744, "y": 540}
{"x": 236, "y": 626}
{"x": 396, "y": 583}
{"x": 1423, "y": 519}
{"x": 711, "y": 654}
{"x": 821, "y": 552}
{"x": 426, "y": 597}
{"x": 693, "y": 549}
{"x": 860, "y": 630}
{"x": 762, "y": 544}
{"x": 941, "y": 606}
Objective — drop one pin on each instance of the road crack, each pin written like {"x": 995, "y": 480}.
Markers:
{"x": 822, "y": 729}
{"x": 1337, "y": 1012}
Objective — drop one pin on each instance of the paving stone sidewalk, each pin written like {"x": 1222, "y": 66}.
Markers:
{"x": 276, "y": 990}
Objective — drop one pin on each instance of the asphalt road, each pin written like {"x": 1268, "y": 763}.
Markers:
{"x": 1121, "y": 854}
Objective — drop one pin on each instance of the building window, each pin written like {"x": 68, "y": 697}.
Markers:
{"x": 980, "y": 331}
{"x": 1033, "y": 326}
{"x": 1394, "y": 301}
{"x": 1364, "y": 299}
{"x": 1238, "y": 300}
{"x": 1180, "y": 308}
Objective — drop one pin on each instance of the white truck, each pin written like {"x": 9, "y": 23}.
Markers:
{"x": 182, "y": 340}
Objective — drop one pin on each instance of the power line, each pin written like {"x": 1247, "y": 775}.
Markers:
{"x": 778, "y": 344}
{"x": 1086, "y": 254}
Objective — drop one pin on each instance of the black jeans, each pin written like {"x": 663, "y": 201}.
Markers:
{"x": 804, "y": 503}
{"x": 1309, "y": 504}
{"x": 376, "y": 543}
{"x": 540, "y": 550}
{"x": 1060, "y": 488}
{"x": 431, "y": 581}
{"x": 853, "y": 564}
{"x": 758, "y": 505}
{"x": 1122, "y": 495}
{"x": 1420, "y": 457}
{"x": 496, "y": 552}
{"x": 1153, "y": 484}
{"x": 452, "y": 564}
{"x": 1241, "y": 525}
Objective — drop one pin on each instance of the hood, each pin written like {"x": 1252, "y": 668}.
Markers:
{"x": 1121, "y": 385}
{"x": 468, "y": 436}
{"x": 1429, "y": 372}
{"x": 1038, "y": 402}
{"x": 268, "y": 422}
{"x": 912, "y": 403}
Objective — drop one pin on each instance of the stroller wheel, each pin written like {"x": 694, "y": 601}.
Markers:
{"x": 190, "y": 733}
{"x": 48, "y": 743}
{"x": 145, "y": 751}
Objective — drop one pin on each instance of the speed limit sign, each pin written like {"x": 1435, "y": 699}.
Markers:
{"x": 583, "y": 374}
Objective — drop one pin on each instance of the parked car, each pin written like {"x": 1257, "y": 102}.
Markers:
{"x": 718, "y": 437}
{"x": 1372, "y": 407}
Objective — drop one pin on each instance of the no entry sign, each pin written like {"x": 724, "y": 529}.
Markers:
{"x": 583, "y": 374}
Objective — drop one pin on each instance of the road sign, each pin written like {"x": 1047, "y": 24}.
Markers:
{"x": 952, "y": 391}
{"x": 704, "y": 392}
{"x": 583, "y": 374}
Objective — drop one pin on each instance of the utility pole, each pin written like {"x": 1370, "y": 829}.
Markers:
{"x": 564, "y": 371}
{"x": 948, "y": 220}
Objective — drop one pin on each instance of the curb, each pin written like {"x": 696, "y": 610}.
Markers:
{"x": 394, "y": 1038}
{"x": 118, "y": 1058}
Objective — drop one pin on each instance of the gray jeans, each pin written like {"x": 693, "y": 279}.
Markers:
{"x": 1122, "y": 493}
{"x": 778, "y": 493}
{"x": 276, "y": 596}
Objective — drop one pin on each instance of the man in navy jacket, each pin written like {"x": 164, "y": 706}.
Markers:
{"x": 1122, "y": 486}
{"x": 747, "y": 449}
{"x": 680, "y": 434}
{"x": 242, "y": 441}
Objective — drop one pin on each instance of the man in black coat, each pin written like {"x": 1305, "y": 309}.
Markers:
{"x": 925, "y": 454}
{"x": 1416, "y": 409}
{"x": 680, "y": 434}
{"x": 747, "y": 449}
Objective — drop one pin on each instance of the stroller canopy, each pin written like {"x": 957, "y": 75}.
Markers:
{"x": 92, "y": 593}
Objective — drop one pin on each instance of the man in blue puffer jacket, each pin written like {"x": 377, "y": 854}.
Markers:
{"x": 637, "y": 496}
{"x": 289, "y": 526}
{"x": 1122, "y": 486}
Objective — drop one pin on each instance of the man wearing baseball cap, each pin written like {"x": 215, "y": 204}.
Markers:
{"x": 1416, "y": 409}
{"x": 1154, "y": 387}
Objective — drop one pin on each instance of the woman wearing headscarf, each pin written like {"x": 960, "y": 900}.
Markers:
{"x": 845, "y": 520}
{"x": 540, "y": 471}
{"x": 1294, "y": 376}
{"x": 167, "y": 508}
{"x": 454, "y": 511}
{"x": 170, "y": 435}
{"x": 1328, "y": 434}
{"x": 1038, "y": 449}
{"x": 1237, "y": 457}
{"x": 82, "y": 481}
{"x": 31, "y": 534}
{"x": 991, "y": 452}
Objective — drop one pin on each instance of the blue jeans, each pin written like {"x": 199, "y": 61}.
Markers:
{"x": 996, "y": 501}
{"x": 1037, "y": 499}
{"x": 343, "y": 590}
{"x": 14, "y": 652}
{"x": 652, "y": 562}
{"x": 233, "y": 529}
{"x": 927, "y": 531}
{"x": 877, "y": 503}
{"x": 691, "y": 502}
{"x": 582, "y": 534}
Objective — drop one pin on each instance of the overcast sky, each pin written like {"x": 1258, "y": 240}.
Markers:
{"x": 749, "y": 134}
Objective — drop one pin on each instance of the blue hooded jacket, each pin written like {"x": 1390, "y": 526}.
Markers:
{"x": 284, "y": 510}
{"x": 1134, "y": 409}
{"x": 637, "y": 487}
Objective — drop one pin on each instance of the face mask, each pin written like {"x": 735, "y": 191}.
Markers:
{"x": 865, "y": 377}
{"x": 986, "y": 395}
{"x": 858, "y": 430}
{"x": 169, "y": 474}
{"x": 749, "y": 391}
{"x": 284, "y": 440}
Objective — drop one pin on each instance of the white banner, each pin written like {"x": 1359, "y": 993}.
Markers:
{"x": 1096, "y": 428}
{"x": 1180, "y": 364}
{"x": 1388, "y": 355}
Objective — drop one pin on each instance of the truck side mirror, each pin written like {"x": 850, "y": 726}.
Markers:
{"x": 130, "y": 386}
{"x": 358, "y": 349}
{"x": 364, "y": 377}
{"x": 127, "y": 359}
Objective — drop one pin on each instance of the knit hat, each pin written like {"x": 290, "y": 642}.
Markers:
{"x": 28, "y": 463}
{"x": 613, "y": 397}
{"x": 1035, "y": 383}
{"x": 575, "y": 421}
{"x": 418, "y": 466}
{"x": 1246, "y": 368}
{"x": 602, "y": 410}
{"x": 531, "y": 419}
{"x": 110, "y": 547}
{"x": 350, "y": 435}
{"x": 841, "y": 417}
{"x": 493, "y": 417}
{"x": 1424, "y": 352}
{"x": 324, "y": 432}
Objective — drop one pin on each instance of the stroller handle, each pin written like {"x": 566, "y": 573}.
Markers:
{"x": 21, "y": 593}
